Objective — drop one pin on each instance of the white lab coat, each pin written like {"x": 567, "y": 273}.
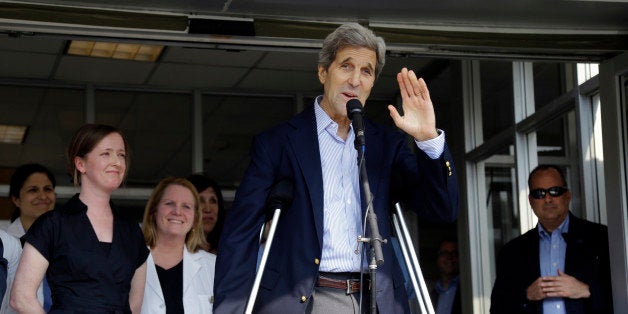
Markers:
{"x": 13, "y": 254}
{"x": 198, "y": 284}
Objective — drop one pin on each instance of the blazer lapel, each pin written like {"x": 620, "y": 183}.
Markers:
{"x": 152, "y": 279}
{"x": 532, "y": 253}
{"x": 190, "y": 269}
{"x": 304, "y": 144}
{"x": 575, "y": 242}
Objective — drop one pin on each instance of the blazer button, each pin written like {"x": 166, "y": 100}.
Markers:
{"x": 447, "y": 163}
{"x": 317, "y": 261}
{"x": 303, "y": 299}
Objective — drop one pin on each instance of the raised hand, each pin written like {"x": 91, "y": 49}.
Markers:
{"x": 418, "y": 118}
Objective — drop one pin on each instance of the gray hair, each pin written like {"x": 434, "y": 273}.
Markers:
{"x": 352, "y": 35}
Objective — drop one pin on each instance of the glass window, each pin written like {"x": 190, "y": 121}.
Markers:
{"x": 501, "y": 204}
{"x": 52, "y": 115}
{"x": 497, "y": 97}
{"x": 158, "y": 129}
{"x": 551, "y": 138}
{"x": 549, "y": 82}
{"x": 228, "y": 122}
{"x": 556, "y": 144}
{"x": 624, "y": 101}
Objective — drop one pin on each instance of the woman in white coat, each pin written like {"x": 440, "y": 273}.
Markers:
{"x": 173, "y": 231}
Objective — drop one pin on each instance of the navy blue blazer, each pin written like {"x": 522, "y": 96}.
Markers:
{"x": 586, "y": 259}
{"x": 291, "y": 150}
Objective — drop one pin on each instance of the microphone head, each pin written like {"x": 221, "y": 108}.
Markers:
{"x": 281, "y": 195}
{"x": 353, "y": 106}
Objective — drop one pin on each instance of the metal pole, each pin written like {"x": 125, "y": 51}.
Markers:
{"x": 262, "y": 264}
{"x": 406, "y": 258}
{"x": 422, "y": 294}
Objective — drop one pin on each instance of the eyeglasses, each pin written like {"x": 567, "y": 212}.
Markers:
{"x": 553, "y": 191}
{"x": 448, "y": 253}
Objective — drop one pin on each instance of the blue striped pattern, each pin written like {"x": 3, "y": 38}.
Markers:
{"x": 342, "y": 210}
{"x": 341, "y": 200}
{"x": 434, "y": 147}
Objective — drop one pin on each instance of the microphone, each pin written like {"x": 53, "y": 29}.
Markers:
{"x": 355, "y": 114}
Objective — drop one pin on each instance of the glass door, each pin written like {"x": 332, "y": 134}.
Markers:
{"x": 613, "y": 95}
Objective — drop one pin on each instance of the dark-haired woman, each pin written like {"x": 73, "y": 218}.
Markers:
{"x": 212, "y": 204}
{"x": 93, "y": 258}
{"x": 32, "y": 191}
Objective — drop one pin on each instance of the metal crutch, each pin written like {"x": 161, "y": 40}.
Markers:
{"x": 411, "y": 261}
{"x": 280, "y": 196}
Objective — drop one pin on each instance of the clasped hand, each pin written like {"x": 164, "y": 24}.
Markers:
{"x": 562, "y": 286}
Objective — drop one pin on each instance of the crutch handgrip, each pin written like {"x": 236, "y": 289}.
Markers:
{"x": 279, "y": 198}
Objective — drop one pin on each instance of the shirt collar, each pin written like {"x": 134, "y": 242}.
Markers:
{"x": 323, "y": 121}
{"x": 76, "y": 206}
{"x": 453, "y": 284}
{"x": 563, "y": 228}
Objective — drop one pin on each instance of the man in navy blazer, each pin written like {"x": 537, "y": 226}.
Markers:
{"x": 315, "y": 255}
{"x": 562, "y": 265}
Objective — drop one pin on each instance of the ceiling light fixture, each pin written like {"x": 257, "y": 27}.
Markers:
{"x": 124, "y": 51}
{"x": 12, "y": 134}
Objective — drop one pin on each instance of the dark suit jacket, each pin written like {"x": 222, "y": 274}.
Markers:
{"x": 586, "y": 259}
{"x": 291, "y": 150}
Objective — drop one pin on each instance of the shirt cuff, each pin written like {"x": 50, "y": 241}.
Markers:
{"x": 434, "y": 147}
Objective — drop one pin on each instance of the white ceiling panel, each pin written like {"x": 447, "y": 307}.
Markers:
{"x": 33, "y": 45}
{"x": 102, "y": 70}
{"x": 282, "y": 80}
{"x": 26, "y": 65}
{"x": 19, "y": 105}
{"x": 196, "y": 76}
{"x": 203, "y": 56}
{"x": 300, "y": 61}
{"x": 11, "y": 154}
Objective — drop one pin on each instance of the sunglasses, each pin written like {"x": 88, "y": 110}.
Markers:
{"x": 553, "y": 191}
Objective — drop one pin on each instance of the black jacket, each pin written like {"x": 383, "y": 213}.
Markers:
{"x": 586, "y": 259}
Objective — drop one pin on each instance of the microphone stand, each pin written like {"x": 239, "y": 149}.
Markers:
{"x": 375, "y": 241}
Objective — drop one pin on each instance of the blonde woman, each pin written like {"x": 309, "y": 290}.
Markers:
{"x": 173, "y": 229}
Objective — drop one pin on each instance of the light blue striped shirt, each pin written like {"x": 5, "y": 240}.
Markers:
{"x": 341, "y": 187}
{"x": 552, "y": 248}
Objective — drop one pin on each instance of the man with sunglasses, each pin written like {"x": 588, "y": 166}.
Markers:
{"x": 562, "y": 265}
